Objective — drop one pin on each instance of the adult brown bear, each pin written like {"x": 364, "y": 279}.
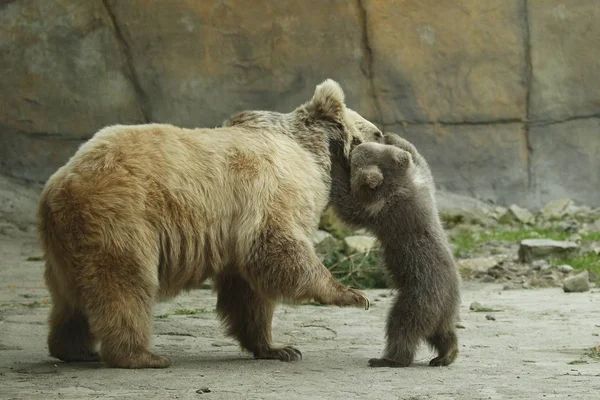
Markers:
{"x": 140, "y": 213}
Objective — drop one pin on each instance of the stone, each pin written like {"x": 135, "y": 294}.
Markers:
{"x": 63, "y": 76}
{"x": 566, "y": 74}
{"x": 458, "y": 209}
{"x": 565, "y": 161}
{"x": 534, "y": 249}
{"x": 540, "y": 265}
{"x": 475, "y": 306}
{"x": 447, "y": 61}
{"x": 473, "y": 267}
{"x": 522, "y": 215}
{"x": 577, "y": 283}
{"x": 490, "y": 317}
{"x": 323, "y": 241}
{"x": 501, "y": 214}
{"x": 490, "y": 160}
{"x": 359, "y": 244}
{"x": 556, "y": 209}
{"x": 565, "y": 268}
{"x": 592, "y": 276}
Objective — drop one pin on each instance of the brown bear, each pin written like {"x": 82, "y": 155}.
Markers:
{"x": 141, "y": 213}
{"x": 390, "y": 191}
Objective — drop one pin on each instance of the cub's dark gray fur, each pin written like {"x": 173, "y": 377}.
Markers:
{"x": 389, "y": 190}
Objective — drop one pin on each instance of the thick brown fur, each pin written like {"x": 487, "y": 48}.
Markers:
{"x": 141, "y": 213}
{"x": 390, "y": 191}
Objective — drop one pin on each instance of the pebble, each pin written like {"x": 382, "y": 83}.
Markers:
{"x": 490, "y": 317}
{"x": 577, "y": 283}
{"x": 565, "y": 268}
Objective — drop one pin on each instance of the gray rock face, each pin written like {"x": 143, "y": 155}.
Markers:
{"x": 533, "y": 249}
{"x": 565, "y": 161}
{"x": 577, "y": 283}
{"x": 455, "y": 83}
{"x": 567, "y": 74}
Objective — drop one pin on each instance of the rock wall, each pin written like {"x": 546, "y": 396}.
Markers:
{"x": 502, "y": 96}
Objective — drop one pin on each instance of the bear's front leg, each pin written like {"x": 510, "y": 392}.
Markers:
{"x": 247, "y": 316}
{"x": 285, "y": 266}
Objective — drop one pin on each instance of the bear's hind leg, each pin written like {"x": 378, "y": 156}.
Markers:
{"x": 118, "y": 304}
{"x": 446, "y": 344}
{"x": 404, "y": 331}
{"x": 247, "y": 317}
{"x": 70, "y": 338}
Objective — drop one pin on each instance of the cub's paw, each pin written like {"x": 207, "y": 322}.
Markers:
{"x": 287, "y": 354}
{"x": 386, "y": 362}
{"x": 444, "y": 361}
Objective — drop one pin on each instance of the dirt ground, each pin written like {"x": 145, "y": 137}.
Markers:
{"x": 537, "y": 347}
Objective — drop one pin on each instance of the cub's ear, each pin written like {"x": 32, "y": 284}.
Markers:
{"x": 370, "y": 177}
{"x": 328, "y": 100}
{"x": 401, "y": 157}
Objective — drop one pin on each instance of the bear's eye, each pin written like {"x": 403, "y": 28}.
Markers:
{"x": 356, "y": 141}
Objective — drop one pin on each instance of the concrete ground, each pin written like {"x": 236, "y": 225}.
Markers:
{"x": 535, "y": 348}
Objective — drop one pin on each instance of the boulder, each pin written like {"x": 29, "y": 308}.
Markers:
{"x": 474, "y": 267}
{"x": 533, "y": 249}
{"x": 577, "y": 283}
{"x": 520, "y": 214}
{"x": 556, "y": 209}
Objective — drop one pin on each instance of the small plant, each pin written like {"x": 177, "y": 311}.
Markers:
{"x": 359, "y": 270}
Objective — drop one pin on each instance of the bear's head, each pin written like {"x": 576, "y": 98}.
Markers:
{"x": 380, "y": 174}
{"x": 345, "y": 127}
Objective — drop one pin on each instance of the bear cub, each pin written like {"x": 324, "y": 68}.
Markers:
{"x": 394, "y": 191}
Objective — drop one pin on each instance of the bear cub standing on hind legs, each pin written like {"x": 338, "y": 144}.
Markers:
{"x": 391, "y": 192}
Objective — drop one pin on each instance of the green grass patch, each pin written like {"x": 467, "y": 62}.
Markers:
{"x": 589, "y": 261}
{"x": 467, "y": 242}
{"x": 591, "y": 237}
{"x": 360, "y": 270}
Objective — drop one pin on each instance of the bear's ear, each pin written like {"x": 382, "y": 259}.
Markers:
{"x": 328, "y": 100}
{"x": 370, "y": 177}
